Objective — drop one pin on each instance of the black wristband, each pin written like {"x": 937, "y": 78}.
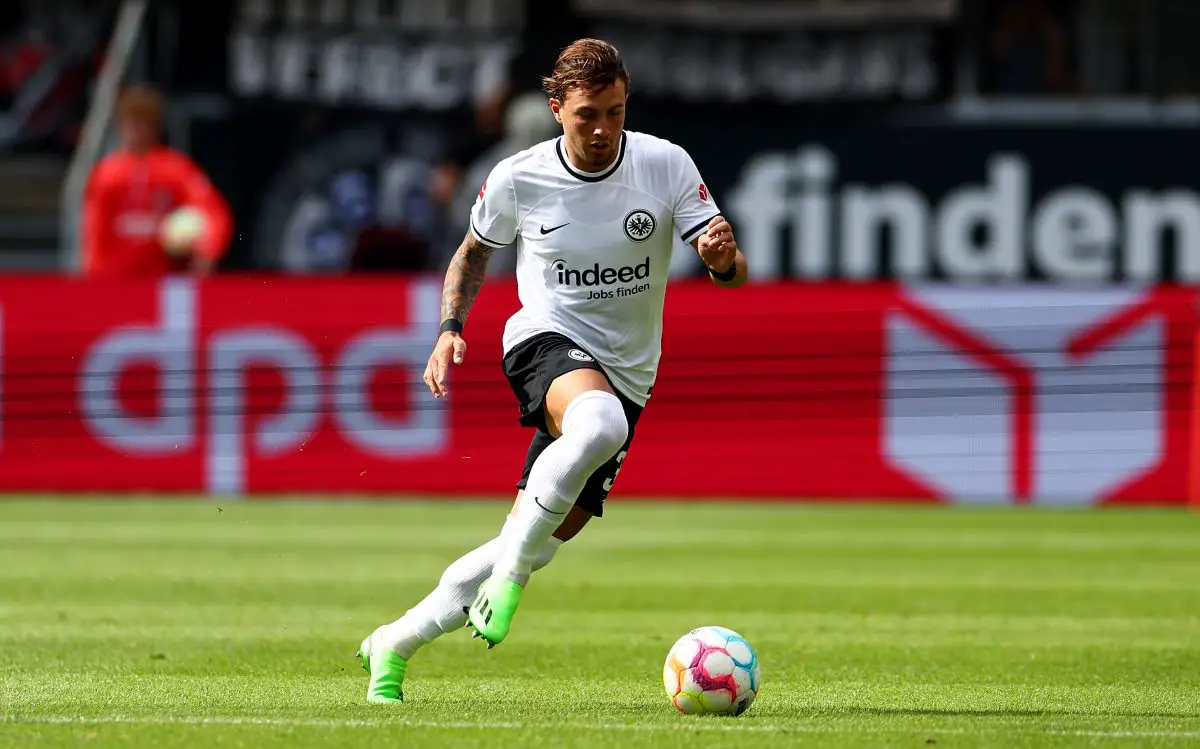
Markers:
{"x": 727, "y": 276}
{"x": 450, "y": 325}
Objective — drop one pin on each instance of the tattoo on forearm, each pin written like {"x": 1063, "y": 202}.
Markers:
{"x": 464, "y": 278}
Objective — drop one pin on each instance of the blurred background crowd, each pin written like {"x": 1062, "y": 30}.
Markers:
{"x": 341, "y": 136}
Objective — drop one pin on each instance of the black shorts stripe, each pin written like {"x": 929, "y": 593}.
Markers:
{"x": 687, "y": 235}
{"x": 490, "y": 242}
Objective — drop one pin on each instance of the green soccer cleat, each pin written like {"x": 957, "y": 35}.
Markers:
{"x": 492, "y": 612}
{"x": 385, "y": 668}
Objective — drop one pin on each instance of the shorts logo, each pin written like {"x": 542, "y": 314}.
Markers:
{"x": 639, "y": 225}
{"x": 578, "y": 355}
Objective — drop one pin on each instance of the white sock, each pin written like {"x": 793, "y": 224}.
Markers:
{"x": 593, "y": 429}
{"x": 441, "y": 612}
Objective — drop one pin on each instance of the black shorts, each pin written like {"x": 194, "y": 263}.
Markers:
{"x": 530, "y": 368}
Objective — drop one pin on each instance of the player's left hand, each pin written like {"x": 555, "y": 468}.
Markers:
{"x": 717, "y": 245}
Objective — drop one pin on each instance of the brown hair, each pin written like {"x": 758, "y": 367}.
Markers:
{"x": 141, "y": 103}
{"x": 590, "y": 64}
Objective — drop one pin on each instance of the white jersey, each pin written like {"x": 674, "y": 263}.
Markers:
{"x": 593, "y": 248}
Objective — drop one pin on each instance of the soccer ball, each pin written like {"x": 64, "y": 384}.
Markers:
{"x": 181, "y": 228}
{"x": 711, "y": 671}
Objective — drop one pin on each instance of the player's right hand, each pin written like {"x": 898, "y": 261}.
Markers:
{"x": 450, "y": 348}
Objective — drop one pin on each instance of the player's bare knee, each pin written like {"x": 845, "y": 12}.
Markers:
{"x": 565, "y": 389}
{"x": 598, "y": 417}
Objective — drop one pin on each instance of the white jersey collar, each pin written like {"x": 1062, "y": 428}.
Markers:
{"x": 590, "y": 176}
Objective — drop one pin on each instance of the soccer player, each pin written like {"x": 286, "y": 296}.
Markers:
{"x": 133, "y": 189}
{"x": 592, "y": 214}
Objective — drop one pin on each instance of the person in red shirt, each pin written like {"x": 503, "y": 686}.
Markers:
{"x": 131, "y": 191}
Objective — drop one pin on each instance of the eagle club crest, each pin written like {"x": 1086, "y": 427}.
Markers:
{"x": 639, "y": 225}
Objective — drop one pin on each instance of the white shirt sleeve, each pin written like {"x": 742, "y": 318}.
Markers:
{"x": 494, "y": 215}
{"x": 694, "y": 206}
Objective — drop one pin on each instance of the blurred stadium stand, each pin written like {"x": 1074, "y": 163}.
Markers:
{"x": 50, "y": 52}
{"x": 264, "y": 92}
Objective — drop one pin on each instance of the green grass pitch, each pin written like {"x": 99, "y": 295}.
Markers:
{"x": 234, "y": 624}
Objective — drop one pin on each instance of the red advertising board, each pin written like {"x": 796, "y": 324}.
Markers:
{"x": 267, "y": 385}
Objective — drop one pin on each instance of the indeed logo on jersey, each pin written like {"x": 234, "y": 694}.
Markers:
{"x": 597, "y": 276}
